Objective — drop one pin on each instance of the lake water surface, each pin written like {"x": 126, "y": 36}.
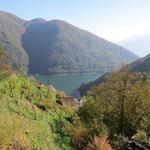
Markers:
{"x": 67, "y": 83}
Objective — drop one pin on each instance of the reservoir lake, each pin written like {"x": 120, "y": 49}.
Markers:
{"x": 67, "y": 83}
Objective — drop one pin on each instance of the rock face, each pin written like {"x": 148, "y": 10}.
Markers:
{"x": 50, "y": 47}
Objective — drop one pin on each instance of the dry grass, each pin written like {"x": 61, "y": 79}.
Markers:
{"x": 99, "y": 144}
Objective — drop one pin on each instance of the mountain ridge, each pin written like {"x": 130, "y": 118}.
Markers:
{"x": 141, "y": 65}
{"x": 55, "y": 47}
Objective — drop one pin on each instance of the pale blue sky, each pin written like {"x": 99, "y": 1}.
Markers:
{"x": 114, "y": 20}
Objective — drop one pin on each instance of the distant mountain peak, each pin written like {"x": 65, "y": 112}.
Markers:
{"x": 57, "y": 21}
{"x": 61, "y": 25}
{"x": 38, "y": 20}
{"x": 7, "y": 15}
{"x": 138, "y": 44}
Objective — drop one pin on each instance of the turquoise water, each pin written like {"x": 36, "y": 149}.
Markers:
{"x": 67, "y": 83}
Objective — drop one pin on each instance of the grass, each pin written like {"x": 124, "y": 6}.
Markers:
{"x": 30, "y": 117}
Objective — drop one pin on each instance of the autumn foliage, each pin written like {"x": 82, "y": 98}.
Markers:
{"x": 99, "y": 144}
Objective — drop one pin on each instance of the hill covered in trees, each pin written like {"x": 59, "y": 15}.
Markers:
{"x": 50, "y": 47}
{"x": 141, "y": 65}
{"x": 11, "y": 30}
{"x": 120, "y": 105}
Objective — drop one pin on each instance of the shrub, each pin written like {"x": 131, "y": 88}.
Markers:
{"x": 99, "y": 144}
{"x": 141, "y": 136}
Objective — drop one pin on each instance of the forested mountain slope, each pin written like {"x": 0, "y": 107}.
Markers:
{"x": 141, "y": 65}
{"x": 11, "y": 30}
{"x": 50, "y": 47}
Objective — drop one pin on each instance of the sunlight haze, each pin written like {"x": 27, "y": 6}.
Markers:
{"x": 114, "y": 20}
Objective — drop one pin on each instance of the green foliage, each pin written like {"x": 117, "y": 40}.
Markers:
{"x": 142, "y": 137}
{"x": 92, "y": 117}
{"x": 2, "y": 56}
{"x": 5, "y": 70}
{"x": 31, "y": 117}
{"x": 121, "y": 103}
{"x": 84, "y": 88}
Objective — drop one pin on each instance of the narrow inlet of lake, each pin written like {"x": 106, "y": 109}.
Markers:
{"x": 67, "y": 83}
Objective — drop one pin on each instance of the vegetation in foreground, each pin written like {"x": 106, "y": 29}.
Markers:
{"x": 32, "y": 116}
{"x": 120, "y": 105}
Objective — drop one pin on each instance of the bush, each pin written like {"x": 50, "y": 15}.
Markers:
{"x": 141, "y": 136}
{"x": 99, "y": 144}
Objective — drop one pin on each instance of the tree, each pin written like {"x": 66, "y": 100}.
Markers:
{"x": 121, "y": 103}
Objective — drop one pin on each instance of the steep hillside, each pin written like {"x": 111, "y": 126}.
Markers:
{"x": 64, "y": 48}
{"x": 122, "y": 103}
{"x": 32, "y": 116}
{"x": 84, "y": 88}
{"x": 11, "y": 30}
{"x": 51, "y": 47}
{"x": 141, "y": 65}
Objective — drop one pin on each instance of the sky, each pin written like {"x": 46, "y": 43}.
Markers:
{"x": 113, "y": 20}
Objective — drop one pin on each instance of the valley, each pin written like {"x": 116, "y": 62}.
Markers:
{"x": 57, "y": 47}
{"x": 65, "y": 84}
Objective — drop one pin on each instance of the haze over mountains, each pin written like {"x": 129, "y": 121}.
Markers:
{"x": 50, "y": 47}
{"x": 138, "y": 44}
